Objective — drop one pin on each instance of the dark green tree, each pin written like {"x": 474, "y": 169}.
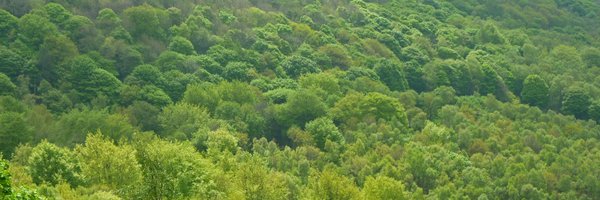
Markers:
{"x": 89, "y": 80}
{"x": 301, "y": 107}
{"x": 11, "y": 63}
{"x": 392, "y": 75}
{"x": 489, "y": 33}
{"x": 6, "y": 86}
{"x": 591, "y": 57}
{"x": 594, "y": 111}
{"x": 576, "y": 102}
{"x": 56, "y": 13}
{"x": 33, "y": 29}
{"x": 296, "y": 66}
{"x": 535, "y": 91}
{"x": 182, "y": 45}
{"x": 240, "y": 71}
{"x": 14, "y": 131}
{"x": 8, "y": 25}
{"x": 145, "y": 20}
{"x": 490, "y": 81}
{"x": 55, "y": 51}
{"x": 107, "y": 20}
{"x": 323, "y": 129}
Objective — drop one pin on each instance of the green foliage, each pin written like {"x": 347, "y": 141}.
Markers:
{"x": 145, "y": 20}
{"x": 107, "y": 19}
{"x": 382, "y": 187}
{"x": 300, "y": 108}
{"x": 7, "y": 191}
{"x": 296, "y": 66}
{"x": 323, "y": 130}
{"x": 73, "y": 127}
{"x": 105, "y": 164}
{"x": 11, "y": 63}
{"x": 392, "y": 75}
{"x": 33, "y": 29}
{"x": 14, "y": 131}
{"x": 8, "y": 24}
{"x": 591, "y": 57}
{"x": 594, "y": 111}
{"x": 51, "y": 164}
{"x": 55, "y": 51}
{"x": 173, "y": 171}
{"x": 535, "y": 91}
{"x": 182, "y": 120}
{"x": 181, "y": 45}
{"x": 490, "y": 34}
{"x": 329, "y": 185}
{"x": 89, "y": 80}
{"x": 299, "y": 100}
{"x": 6, "y": 86}
{"x": 576, "y": 102}
{"x": 237, "y": 71}
{"x": 5, "y": 184}
{"x": 354, "y": 108}
{"x": 490, "y": 82}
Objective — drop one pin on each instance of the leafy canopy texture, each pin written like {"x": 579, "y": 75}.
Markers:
{"x": 290, "y": 100}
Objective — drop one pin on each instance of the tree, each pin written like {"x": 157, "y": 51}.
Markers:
{"x": 6, "y": 86}
{"x": 51, "y": 164}
{"x": 14, "y": 131}
{"x": 55, "y": 100}
{"x": 182, "y": 120}
{"x": 490, "y": 34}
{"x": 591, "y": 57}
{"x": 330, "y": 185}
{"x": 392, "y": 75}
{"x": 414, "y": 54}
{"x": 33, "y": 29}
{"x": 594, "y": 111}
{"x": 174, "y": 171}
{"x": 176, "y": 83}
{"x": 55, "y": 51}
{"x": 106, "y": 164}
{"x": 73, "y": 127}
{"x": 301, "y": 107}
{"x": 576, "y": 102}
{"x": 147, "y": 93}
{"x": 182, "y": 45}
{"x": 89, "y": 80}
{"x": 83, "y": 32}
{"x": 240, "y": 71}
{"x": 490, "y": 81}
{"x": 7, "y": 191}
{"x": 8, "y": 24}
{"x": 145, "y": 20}
{"x": 56, "y": 13}
{"x": 144, "y": 115}
{"x": 382, "y": 187}
{"x": 563, "y": 58}
{"x": 295, "y": 66}
{"x": 323, "y": 130}
{"x": 5, "y": 182}
{"x": 145, "y": 75}
{"x": 355, "y": 108}
{"x": 126, "y": 57}
{"x": 11, "y": 63}
{"x": 107, "y": 20}
{"x": 535, "y": 91}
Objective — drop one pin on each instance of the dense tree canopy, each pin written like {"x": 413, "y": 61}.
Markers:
{"x": 262, "y": 99}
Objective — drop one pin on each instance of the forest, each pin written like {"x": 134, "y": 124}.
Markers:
{"x": 299, "y": 99}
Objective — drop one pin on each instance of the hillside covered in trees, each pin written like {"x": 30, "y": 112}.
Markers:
{"x": 299, "y": 99}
